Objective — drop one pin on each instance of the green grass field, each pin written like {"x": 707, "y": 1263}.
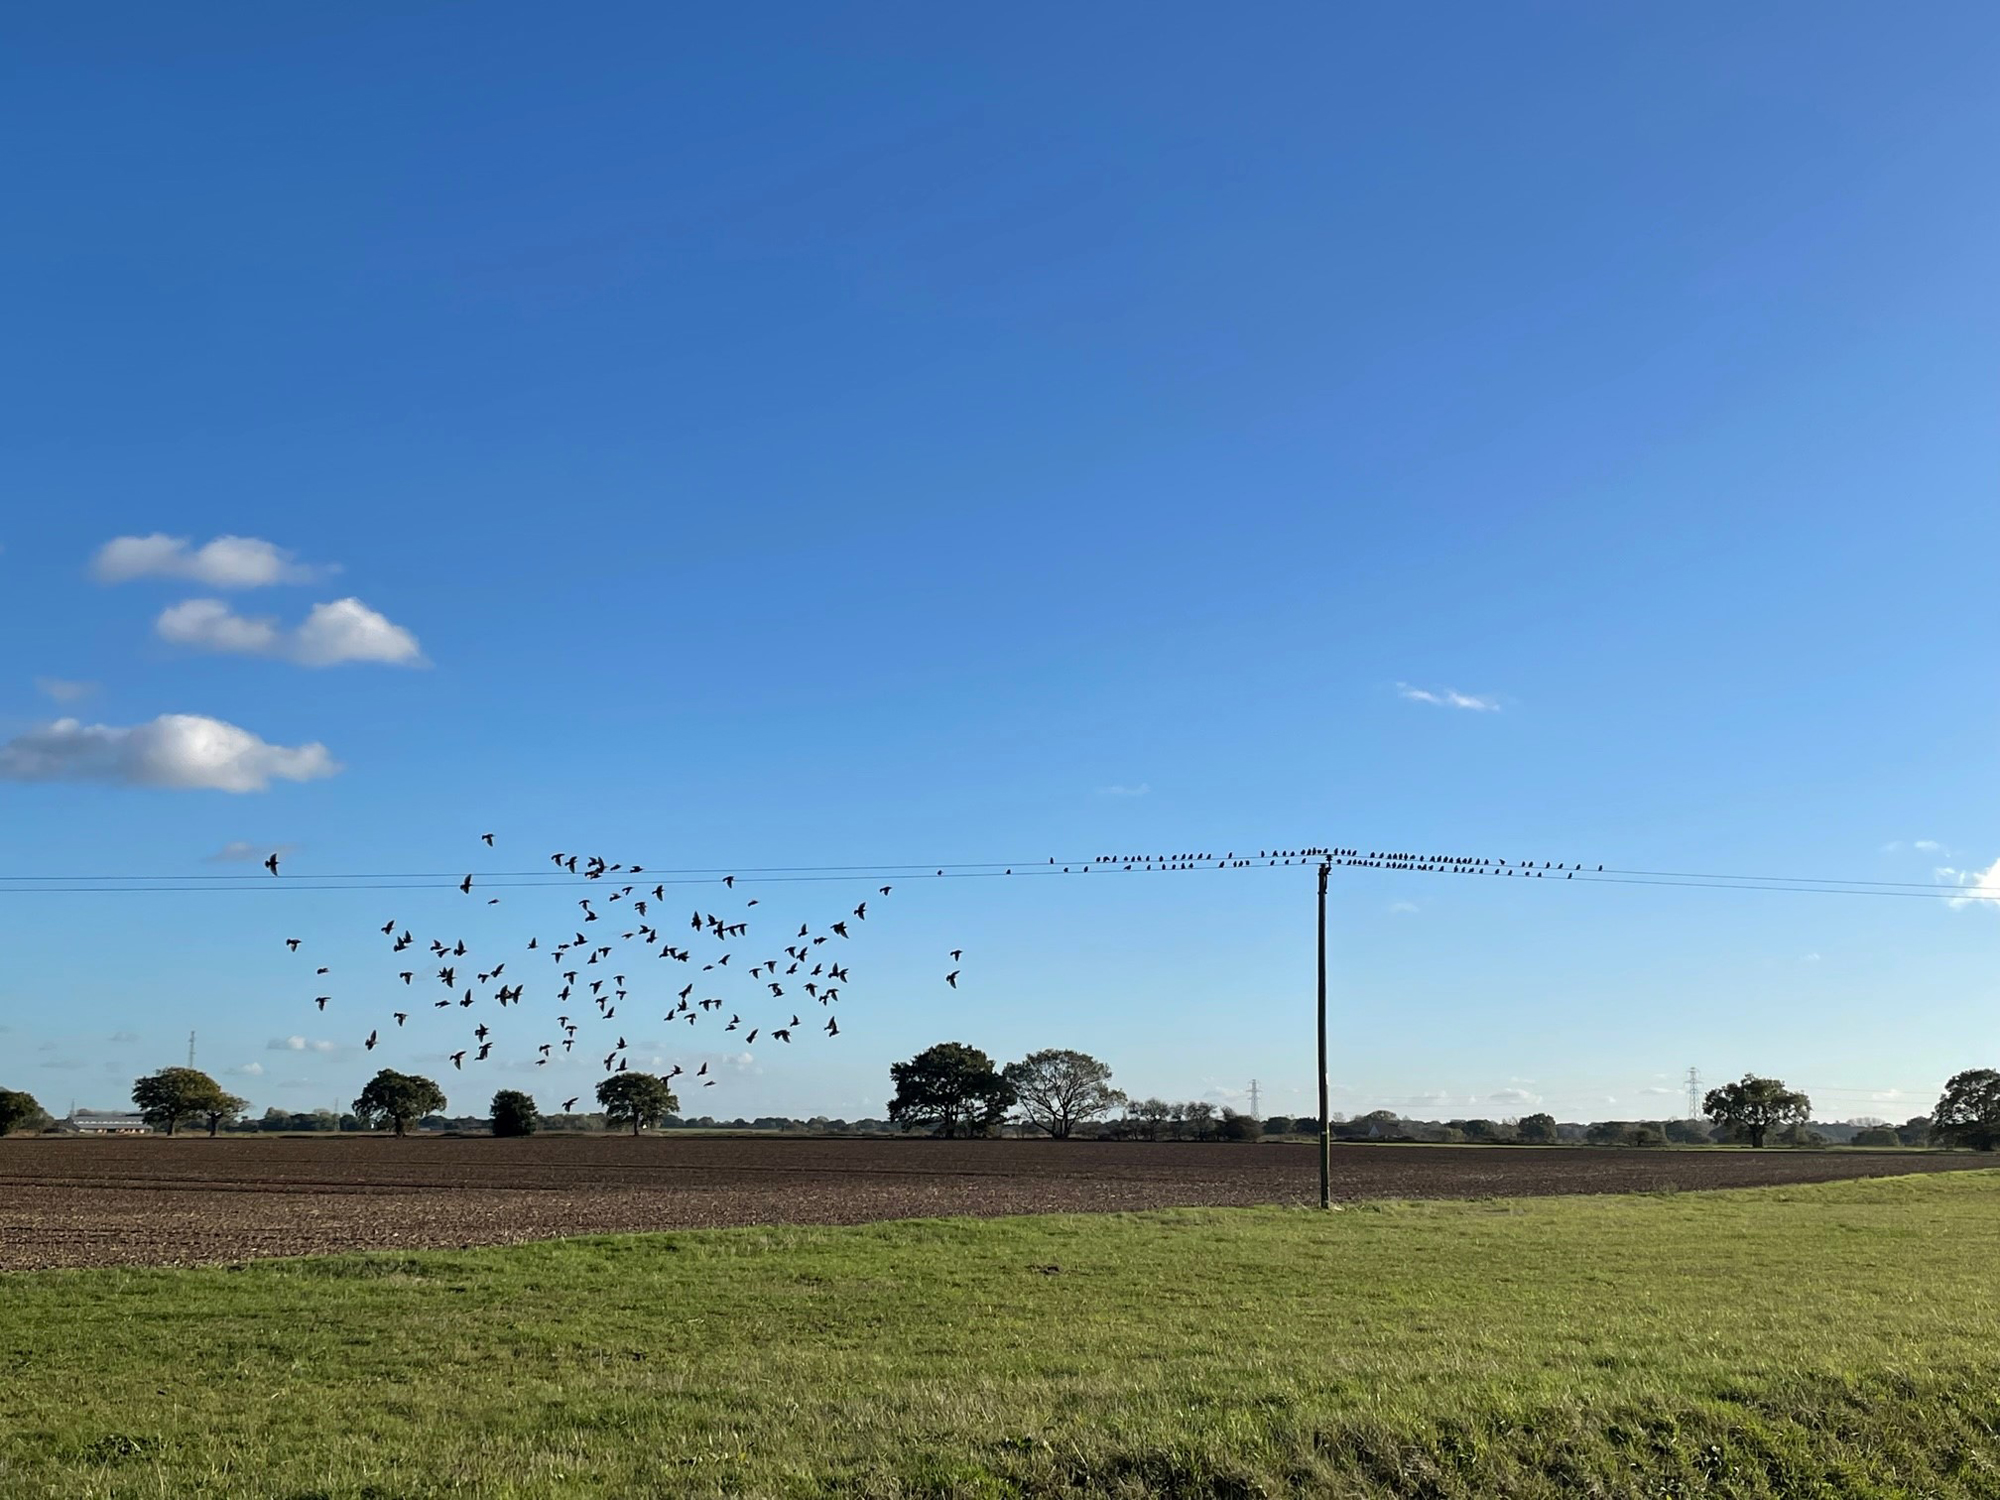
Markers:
{"x": 1830, "y": 1340}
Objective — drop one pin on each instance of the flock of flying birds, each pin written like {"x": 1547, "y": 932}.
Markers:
{"x": 715, "y": 953}
{"x": 722, "y": 961}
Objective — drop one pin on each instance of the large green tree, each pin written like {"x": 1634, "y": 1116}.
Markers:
{"x": 19, "y": 1110}
{"x": 951, "y": 1089}
{"x": 514, "y": 1113}
{"x": 1058, "y": 1089}
{"x": 171, "y": 1097}
{"x": 400, "y": 1099}
{"x": 1752, "y": 1106}
{"x": 1968, "y": 1113}
{"x": 636, "y": 1099}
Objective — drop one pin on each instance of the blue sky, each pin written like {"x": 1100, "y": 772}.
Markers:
{"x": 904, "y": 434}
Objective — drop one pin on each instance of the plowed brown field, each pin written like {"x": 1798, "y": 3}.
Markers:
{"x": 170, "y": 1202}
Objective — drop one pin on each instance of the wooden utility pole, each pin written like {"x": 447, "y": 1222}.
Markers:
{"x": 1325, "y": 1120}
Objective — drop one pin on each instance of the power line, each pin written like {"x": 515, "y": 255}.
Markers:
{"x": 985, "y": 869}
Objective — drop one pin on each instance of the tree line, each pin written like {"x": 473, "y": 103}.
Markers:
{"x": 953, "y": 1089}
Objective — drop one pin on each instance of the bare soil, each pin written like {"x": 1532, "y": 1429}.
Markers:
{"x": 155, "y": 1201}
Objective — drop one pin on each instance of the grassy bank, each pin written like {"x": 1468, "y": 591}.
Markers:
{"x": 1841, "y": 1339}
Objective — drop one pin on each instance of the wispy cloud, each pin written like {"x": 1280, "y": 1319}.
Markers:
{"x": 344, "y": 631}
{"x": 1402, "y": 908}
{"x": 228, "y": 562}
{"x": 1922, "y": 846}
{"x": 1518, "y": 1097}
{"x": 299, "y": 1044}
{"x": 180, "y": 752}
{"x": 63, "y": 689}
{"x": 241, "y": 851}
{"x": 1448, "y": 698}
{"x": 1124, "y": 791}
{"x": 1982, "y": 887}
{"x": 247, "y": 1070}
{"x": 121, "y": 1037}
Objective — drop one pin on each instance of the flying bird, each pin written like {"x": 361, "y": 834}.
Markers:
{"x": 465, "y": 885}
{"x": 486, "y": 839}
{"x": 293, "y": 944}
{"x": 271, "y": 864}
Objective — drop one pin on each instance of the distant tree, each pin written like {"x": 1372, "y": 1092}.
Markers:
{"x": 636, "y": 1099}
{"x": 171, "y": 1097}
{"x": 1151, "y": 1116}
{"x": 514, "y": 1113}
{"x": 1968, "y": 1112}
{"x": 1798, "y": 1134}
{"x": 1536, "y": 1129}
{"x": 1643, "y": 1135}
{"x": 1058, "y": 1089}
{"x": 1200, "y": 1117}
{"x": 1688, "y": 1133}
{"x": 1876, "y": 1135}
{"x": 1752, "y": 1106}
{"x": 1478, "y": 1130}
{"x": 951, "y": 1089}
{"x": 1237, "y": 1127}
{"x": 398, "y": 1098}
{"x": 1282, "y": 1125}
{"x": 1915, "y": 1131}
{"x": 1606, "y": 1133}
{"x": 1377, "y": 1122}
{"x": 18, "y": 1111}
{"x": 223, "y": 1109}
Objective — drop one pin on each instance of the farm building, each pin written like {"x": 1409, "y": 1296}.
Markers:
{"x": 107, "y": 1122}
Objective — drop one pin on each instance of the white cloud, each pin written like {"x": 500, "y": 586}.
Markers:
{"x": 1124, "y": 791}
{"x": 241, "y": 851}
{"x": 1402, "y": 908}
{"x": 299, "y": 1044}
{"x": 1809, "y": 958}
{"x": 1929, "y": 846}
{"x": 247, "y": 1070}
{"x": 1514, "y": 1096}
{"x": 211, "y": 625}
{"x": 177, "y": 751}
{"x": 345, "y": 630}
{"x": 348, "y": 630}
{"x": 1658, "y": 1091}
{"x": 1982, "y": 886}
{"x": 123, "y": 1036}
{"x": 63, "y": 690}
{"x": 228, "y": 562}
{"x": 1448, "y": 698}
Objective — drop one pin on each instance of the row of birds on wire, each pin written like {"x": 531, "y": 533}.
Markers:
{"x": 720, "y": 955}
{"x": 1371, "y": 859}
